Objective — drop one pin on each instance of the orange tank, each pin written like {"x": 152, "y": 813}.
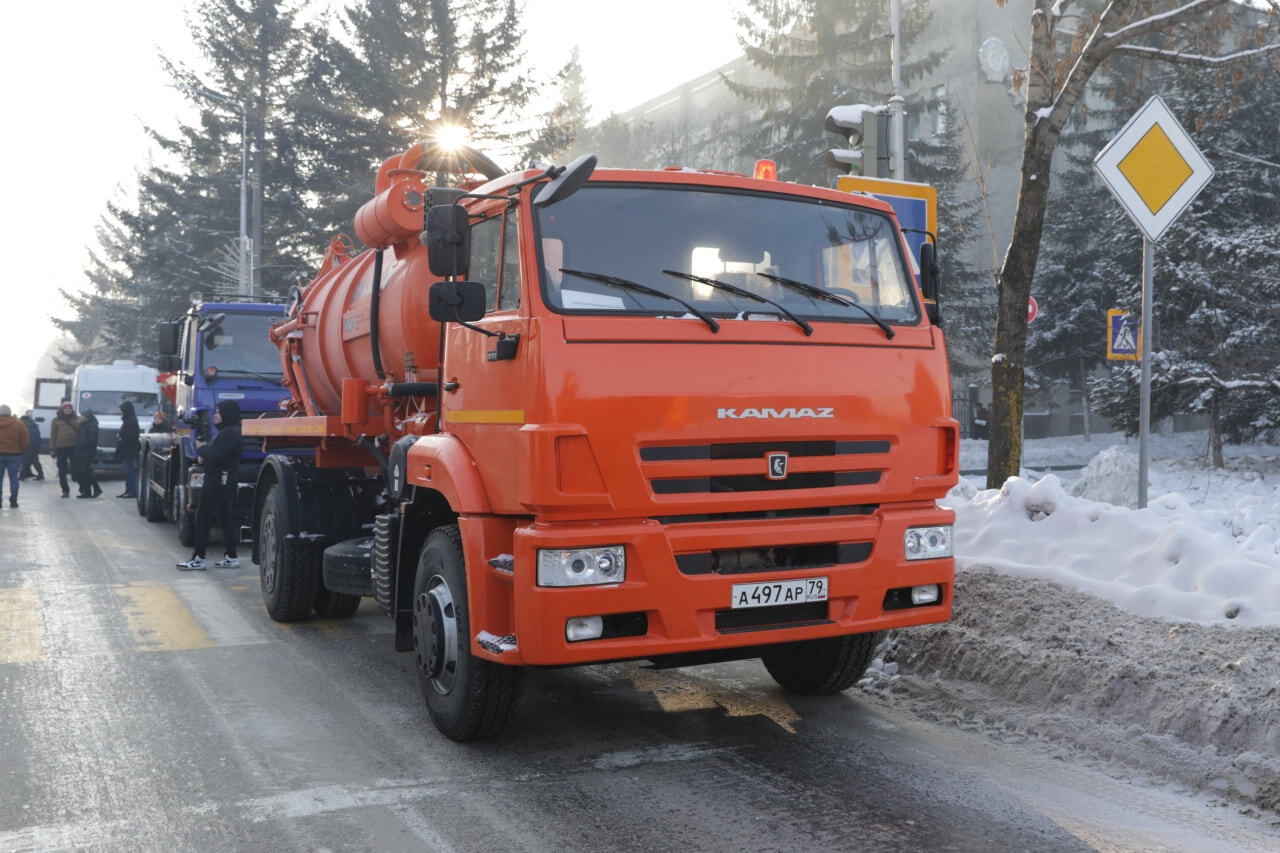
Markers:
{"x": 334, "y": 312}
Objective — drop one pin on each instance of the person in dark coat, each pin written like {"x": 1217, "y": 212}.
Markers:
{"x": 31, "y": 467}
{"x": 127, "y": 447}
{"x": 221, "y": 460}
{"x": 62, "y": 445}
{"x": 86, "y": 453}
{"x": 159, "y": 423}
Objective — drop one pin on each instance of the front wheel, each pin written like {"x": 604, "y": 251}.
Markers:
{"x": 818, "y": 667}
{"x": 467, "y": 697}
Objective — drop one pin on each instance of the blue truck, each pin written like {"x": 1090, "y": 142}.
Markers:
{"x": 214, "y": 351}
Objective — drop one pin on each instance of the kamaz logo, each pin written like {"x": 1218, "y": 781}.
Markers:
{"x": 779, "y": 414}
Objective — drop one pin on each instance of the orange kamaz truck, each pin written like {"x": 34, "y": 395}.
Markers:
{"x": 573, "y": 414}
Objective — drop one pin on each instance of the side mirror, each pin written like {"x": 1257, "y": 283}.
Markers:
{"x": 567, "y": 182}
{"x": 169, "y": 363}
{"x": 456, "y": 301}
{"x": 448, "y": 240}
{"x": 929, "y": 275}
{"x": 167, "y": 334}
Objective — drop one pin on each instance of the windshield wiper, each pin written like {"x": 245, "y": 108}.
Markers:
{"x": 231, "y": 371}
{"x": 627, "y": 284}
{"x": 741, "y": 291}
{"x": 819, "y": 293}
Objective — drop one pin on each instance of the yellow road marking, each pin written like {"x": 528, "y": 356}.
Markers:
{"x": 676, "y": 691}
{"x": 21, "y": 637}
{"x": 158, "y": 619}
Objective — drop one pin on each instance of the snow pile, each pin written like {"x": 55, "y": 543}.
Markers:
{"x": 1167, "y": 561}
{"x": 1144, "y": 641}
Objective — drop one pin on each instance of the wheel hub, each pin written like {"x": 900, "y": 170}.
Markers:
{"x": 435, "y": 635}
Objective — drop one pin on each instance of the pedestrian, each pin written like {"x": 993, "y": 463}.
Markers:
{"x": 978, "y": 427}
{"x": 159, "y": 423}
{"x": 86, "y": 454}
{"x": 14, "y": 439}
{"x": 127, "y": 447}
{"x": 62, "y": 444}
{"x": 221, "y": 462}
{"x": 31, "y": 467}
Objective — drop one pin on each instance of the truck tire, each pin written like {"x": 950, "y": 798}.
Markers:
{"x": 819, "y": 667}
{"x": 140, "y": 484}
{"x": 186, "y": 519}
{"x": 152, "y": 503}
{"x": 467, "y": 697}
{"x": 335, "y": 605}
{"x": 288, "y": 568}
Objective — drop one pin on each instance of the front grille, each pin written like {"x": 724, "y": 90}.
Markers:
{"x": 761, "y": 483}
{"x": 766, "y": 514}
{"x": 766, "y": 618}
{"x": 754, "y": 450}
{"x": 776, "y": 558}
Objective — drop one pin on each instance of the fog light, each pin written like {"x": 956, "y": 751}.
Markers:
{"x": 927, "y": 594}
{"x": 583, "y": 628}
{"x": 927, "y": 543}
{"x": 582, "y": 566}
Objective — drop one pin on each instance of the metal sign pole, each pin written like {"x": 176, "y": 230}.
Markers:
{"x": 1144, "y": 344}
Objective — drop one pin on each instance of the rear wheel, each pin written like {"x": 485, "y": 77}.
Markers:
{"x": 467, "y": 697}
{"x": 139, "y": 485}
{"x": 817, "y": 667}
{"x": 288, "y": 568}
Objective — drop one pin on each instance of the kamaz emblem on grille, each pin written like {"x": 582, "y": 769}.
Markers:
{"x": 777, "y": 466}
{"x": 766, "y": 414}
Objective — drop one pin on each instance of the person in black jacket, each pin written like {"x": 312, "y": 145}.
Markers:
{"x": 127, "y": 447}
{"x": 31, "y": 466}
{"x": 86, "y": 453}
{"x": 221, "y": 460}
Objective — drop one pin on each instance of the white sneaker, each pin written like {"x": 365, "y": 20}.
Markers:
{"x": 195, "y": 564}
{"x": 227, "y": 563}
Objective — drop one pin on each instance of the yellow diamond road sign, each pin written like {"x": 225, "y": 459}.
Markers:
{"x": 1153, "y": 168}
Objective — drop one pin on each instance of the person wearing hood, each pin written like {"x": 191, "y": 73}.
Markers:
{"x": 14, "y": 439}
{"x": 31, "y": 467}
{"x": 127, "y": 447}
{"x": 221, "y": 460}
{"x": 62, "y": 444}
{"x": 86, "y": 451}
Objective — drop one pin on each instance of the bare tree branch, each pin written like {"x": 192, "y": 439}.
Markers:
{"x": 1161, "y": 22}
{"x": 1193, "y": 58}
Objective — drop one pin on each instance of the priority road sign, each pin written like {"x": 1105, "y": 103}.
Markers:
{"x": 1153, "y": 168}
{"x": 1124, "y": 336}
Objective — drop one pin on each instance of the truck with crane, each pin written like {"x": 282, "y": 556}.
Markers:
{"x": 572, "y": 415}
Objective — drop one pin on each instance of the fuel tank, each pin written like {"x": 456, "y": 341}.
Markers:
{"x": 335, "y": 310}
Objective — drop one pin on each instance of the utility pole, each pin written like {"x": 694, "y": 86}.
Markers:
{"x": 897, "y": 103}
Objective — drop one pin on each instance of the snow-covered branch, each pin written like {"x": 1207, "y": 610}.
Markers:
{"x": 1162, "y": 21}
{"x": 1193, "y": 58}
{"x": 1212, "y": 380}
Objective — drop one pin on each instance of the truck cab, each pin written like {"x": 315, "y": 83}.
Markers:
{"x": 214, "y": 351}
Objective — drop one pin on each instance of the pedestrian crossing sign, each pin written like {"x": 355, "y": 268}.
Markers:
{"x": 1124, "y": 336}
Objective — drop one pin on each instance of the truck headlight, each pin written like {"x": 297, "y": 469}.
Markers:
{"x": 927, "y": 543}
{"x": 582, "y": 566}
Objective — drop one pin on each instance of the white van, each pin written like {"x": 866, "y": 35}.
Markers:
{"x": 101, "y": 388}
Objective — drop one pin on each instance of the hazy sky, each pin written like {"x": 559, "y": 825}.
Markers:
{"x": 79, "y": 93}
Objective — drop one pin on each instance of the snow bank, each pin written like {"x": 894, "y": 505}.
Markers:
{"x": 1169, "y": 561}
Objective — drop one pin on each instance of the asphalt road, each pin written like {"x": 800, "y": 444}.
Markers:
{"x": 146, "y": 709}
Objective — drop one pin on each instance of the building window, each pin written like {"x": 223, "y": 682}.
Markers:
{"x": 940, "y": 110}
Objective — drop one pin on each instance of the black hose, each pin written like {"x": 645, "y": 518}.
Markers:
{"x": 373, "y": 314}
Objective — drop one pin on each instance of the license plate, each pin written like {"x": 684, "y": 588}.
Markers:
{"x": 771, "y": 593}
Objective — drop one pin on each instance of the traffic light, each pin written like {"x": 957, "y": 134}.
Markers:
{"x": 867, "y": 129}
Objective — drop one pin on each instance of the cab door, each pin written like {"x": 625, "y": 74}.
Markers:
{"x": 487, "y": 407}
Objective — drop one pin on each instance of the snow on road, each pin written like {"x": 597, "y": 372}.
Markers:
{"x": 1146, "y": 641}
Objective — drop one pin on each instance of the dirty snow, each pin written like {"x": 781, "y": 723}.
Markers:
{"x": 1146, "y": 641}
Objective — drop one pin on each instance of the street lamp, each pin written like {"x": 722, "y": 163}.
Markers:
{"x": 245, "y": 271}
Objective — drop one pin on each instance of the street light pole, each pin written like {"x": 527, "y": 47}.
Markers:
{"x": 897, "y": 103}
{"x": 244, "y": 271}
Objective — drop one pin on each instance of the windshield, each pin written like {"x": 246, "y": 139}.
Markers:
{"x": 239, "y": 345}
{"x": 798, "y": 258}
{"x": 108, "y": 402}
